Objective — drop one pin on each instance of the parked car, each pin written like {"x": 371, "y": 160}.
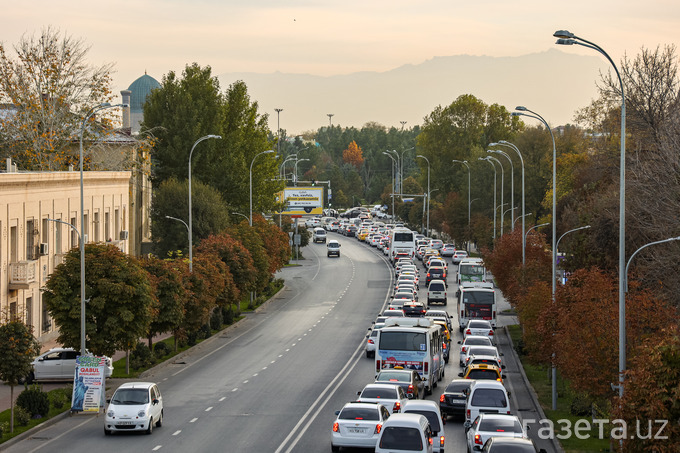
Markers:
{"x": 358, "y": 425}
{"x": 135, "y": 406}
{"x": 405, "y": 433}
{"x": 452, "y": 401}
{"x": 59, "y": 364}
{"x": 409, "y": 380}
{"x": 391, "y": 396}
{"x": 486, "y": 426}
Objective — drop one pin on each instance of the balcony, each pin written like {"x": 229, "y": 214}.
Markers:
{"x": 23, "y": 274}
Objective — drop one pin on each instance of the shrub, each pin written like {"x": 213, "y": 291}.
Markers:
{"x": 581, "y": 406}
{"x": 58, "y": 398}
{"x": 141, "y": 356}
{"x": 205, "y": 331}
{"x": 34, "y": 401}
{"x": 228, "y": 314}
{"x": 160, "y": 349}
{"x": 21, "y": 416}
{"x": 216, "y": 320}
{"x": 4, "y": 428}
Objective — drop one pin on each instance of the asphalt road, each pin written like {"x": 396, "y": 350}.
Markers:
{"x": 273, "y": 382}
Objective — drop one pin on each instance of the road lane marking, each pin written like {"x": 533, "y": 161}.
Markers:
{"x": 234, "y": 389}
{"x": 209, "y": 409}
{"x": 222, "y": 399}
{"x": 193, "y": 420}
{"x": 177, "y": 432}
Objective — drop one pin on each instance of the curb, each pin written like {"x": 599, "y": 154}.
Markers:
{"x": 28, "y": 433}
{"x": 532, "y": 392}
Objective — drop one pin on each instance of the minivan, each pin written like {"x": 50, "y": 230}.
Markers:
{"x": 436, "y": 292}
{"x": 319, "y": 235}
{"x": 489, "y": 397}
{"x": 405, "y": 433}
{"x": 431, "y": 411}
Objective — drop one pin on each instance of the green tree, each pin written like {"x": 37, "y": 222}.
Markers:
{"x": 52, "y": 86}
{"x": 19, "y": 347}
{"x": 119, "y": 299}
{"x": 235, "y": 256}
{"x": 171, "y": 198}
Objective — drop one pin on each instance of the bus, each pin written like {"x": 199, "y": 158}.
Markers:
{"x": 402, "y": 243}
{"x": 414, "y": 344}
{"x": 476, "y": 302}
{"x": 471, "y": 270}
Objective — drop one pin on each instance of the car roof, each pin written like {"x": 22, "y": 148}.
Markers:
{"x": 136, "y": 385}
{"x": 421, "y": 405}
{"x": 381, "y": 386}
{"x": 399, "y": 419}
{"x": 484, "y": 383}
{"x": 364, "y": 404}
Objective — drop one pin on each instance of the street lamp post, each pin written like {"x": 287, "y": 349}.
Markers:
{"x": 330, "y": 119}
{"x": 502, "y": 187}
{"x": 278, "y": 131}
{"x": 401, "y": 174}
{"x": 567, "y": 38}
{"x": 394, "y": 163}
{"x": 397, "y": 173}
{"x": 191, "y": 229}
{"x": 557, "y": 245}
{"x": 242, "y": 215}
{"x": 645, "y": 246}
{"x": 92, "y": 111}
{"x": 512, "y": 184}
{"x": 282, "y": 168}
{"x": 428, "y": 193}
{"x": 511, "y": 146}
{"x": 526, "y": 235}
{"x": 296, "y": 172}
{"x": 250, "y": 219}
{"x": 464, "y": 162}
{"x": 495, "y": 174}
{"x": 185, "y": 224}
{"x": 525, "y": 215}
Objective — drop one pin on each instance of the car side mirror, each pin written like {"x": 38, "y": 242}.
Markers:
{"x": 460, "y": 374}
{"x": 502, "y": 367}
{"x": 501, "y": 354}
{"x": 108, "y": 400}
{"x": 358, "y": 393}
{"x": 467, "y": 425}
{"x": 460, "y": 342}
{"x": 155, "y": 401}
{"x": 503, "y": 376}
{"x": 337, "y": 412}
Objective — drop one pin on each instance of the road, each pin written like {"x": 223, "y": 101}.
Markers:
{"x": 273, "y": 382}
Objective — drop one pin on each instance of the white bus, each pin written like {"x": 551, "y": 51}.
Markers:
{"x": 402, "y": 243}
{"x": 476, "y": 302}
{"x": 472, "y": 271}
{"x": 414, "y": 344}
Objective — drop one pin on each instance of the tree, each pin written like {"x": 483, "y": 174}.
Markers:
{"x": 51, "y": 86}
{"x": 171, "y": 198}
{"x": 119, "y": 299}
{"x": 19, "y": 347}
{"x": 235, "y": 256}
{"x": 352, "y": 155}
{"x": 253, "y": 242}
{"x": 275, "y": 242}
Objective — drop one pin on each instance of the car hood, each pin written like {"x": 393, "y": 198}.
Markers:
{"x": 123, "y": 411}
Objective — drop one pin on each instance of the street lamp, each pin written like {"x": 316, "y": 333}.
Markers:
{"x": 330, "y": 120}
{"x": 512, "y": 184}
{"x": 242, "y": 215}
{"x": 557, "y": 246}
{"x": 187, "y": 227}
{"x": 567, "y": 38}
{"x": 464, "y": 162}
{"x": 526, "y": 235}
{"x": 398, "y": 181}
{"x": 495, "y": 174}
{"x": 394, "y": 163}
{"x": 428, "y": 192}
{"x": 401, "y": 174}
{"x": 511, "y": 146}
{"x": 278, "y": 131}
{"x": 296, "y": 173}
{"x": 522, "y": 216}
{"x": 502, "y": 187}
{"x": 191, "y": 229}
{"x": 282, "y": 168}
{"x": 645, "y": 246}
{"x": 250, "y": 219}
{"x": 92, "y": 111}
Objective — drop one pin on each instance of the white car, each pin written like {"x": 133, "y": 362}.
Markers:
{"x": 319, "y": 235}
{"x": 135, "y": 406}
{"x": 408, "y": 433}
{"x": 391, "y": 396}
{"x": 358, "y": 425}
{"x": 458, "y": 255}
{"x": 431, "y": 411}
{"x": 486, "y": 426}
{"x": 480, "y": 328}
{"x": 59, "y": 364}
{"x": 487, "y": 351}
{"x": 472, "y": 340}
{"x": 371, "y": 338}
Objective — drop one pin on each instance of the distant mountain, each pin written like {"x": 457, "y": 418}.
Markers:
{"x": 552, "y": 83}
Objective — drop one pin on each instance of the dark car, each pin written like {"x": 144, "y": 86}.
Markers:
{"x": 452, "y": 401}
{"x": 409, "y": 380}
{"x": 414, "y": 309}
{"x": 351, "y": 231}
{"x": 435, "y": 273}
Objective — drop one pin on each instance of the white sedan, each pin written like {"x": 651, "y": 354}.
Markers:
{"x": 492, "y": 425}
{"x": 358, "y": 425}
{"x": 391, "y": 396}
{"x": 135, "y": 406}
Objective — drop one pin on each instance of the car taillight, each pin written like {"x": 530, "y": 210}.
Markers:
{"x": 468, "y": 332}
{"x": 444, "y": 295}
{"x": 396, "y": 408}
{"x": 425, "y": 367}
{"x": 428, "y": 294}
{"x": 442, "y": 398}
{"x": 468, "y": 414}
{"x": 370, "y": 341}
{"x": 444, "y": 345}
{"x": 428, "y": 274}
{"x": 430, "y": 440}
{"x": 377, "y": 365}
{"x": 378, "y": 428}
{"x": 493, "y": 314}
{"x": 478, "y": 439}
{"x": 336, "y": 427}
{"x": 491, "y": 332}
{"x": 463, "y": 349}
{"x": 499, "y": 379}
{"x": 441, "y": 443}
{"x": 410, "y": 389}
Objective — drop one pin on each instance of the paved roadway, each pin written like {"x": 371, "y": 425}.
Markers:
{"x": 273, "y": 382}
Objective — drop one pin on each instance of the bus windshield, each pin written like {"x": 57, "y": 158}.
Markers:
{"x": 406, "y": 236}
{"x": 478, "y": 297}
{"x": 471, "y": 269}
{"x": 403, "y": 341}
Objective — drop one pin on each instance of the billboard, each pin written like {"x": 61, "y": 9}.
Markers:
{"x": 88, "y": 384}
{"x": 302, "y": 200}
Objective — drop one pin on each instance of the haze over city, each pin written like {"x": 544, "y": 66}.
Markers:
{"x": 331, "y": 39}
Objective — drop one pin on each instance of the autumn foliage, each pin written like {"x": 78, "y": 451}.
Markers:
{"x": 353, "y": 155}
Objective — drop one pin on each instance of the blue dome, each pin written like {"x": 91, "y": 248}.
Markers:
{"x": 141, "y": 88}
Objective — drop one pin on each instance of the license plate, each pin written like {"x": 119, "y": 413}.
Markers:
{"x": 356, "y": 430}
{"x": 124, "y": 423}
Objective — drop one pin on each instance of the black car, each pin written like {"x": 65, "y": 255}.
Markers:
{"x": 414, "y": 309}
{"x": 452, "y": 401}
{"x": 351, "y": 231}
{"x": 436, "y": 273}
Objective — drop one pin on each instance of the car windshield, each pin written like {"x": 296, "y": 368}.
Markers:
{"x": 501, "y": 425}
{"x": 472, "y": 341}
{"x": 489, "y": 398}
{"x": 131, "y": 396}
{"x": 437, "y": 287}
{"x": 401, "y": 438}
{"x": 479, "y": 325}
{"x": 389, "y": 393}
{"x": 483, "y": 374}
{"x": 457, "y": 387}
{"x": 392, "y": 376}
{"x": 483, "y": 350}
{"x": 403, "y": 341}
{"x": 359, "y": 413}
{"x": 431, "y": 417}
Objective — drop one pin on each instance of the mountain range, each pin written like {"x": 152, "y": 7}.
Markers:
{"x": 552, "y": 83}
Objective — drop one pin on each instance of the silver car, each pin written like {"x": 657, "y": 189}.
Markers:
{"x": 59, "y": 364}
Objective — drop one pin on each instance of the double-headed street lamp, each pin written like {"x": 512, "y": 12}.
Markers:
{"x": 567, "y": 38}
{"x": 502, "y": 186}
{"x": 92, "y": 111}
{"x": 516, "y": 219}
{"x": 428, "y": 192}
{"x": 191, "y": 229}
{"x": 296, "y": 172}
{"x": 512, "y": 184}
{"x": 250, "y": 219}
{"x": 495, "y": 174}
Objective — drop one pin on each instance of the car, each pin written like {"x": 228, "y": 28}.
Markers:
{"x": 414, "y": 308}
{"x": 478, "y": 359}
{"x": 505, "y": 444}
{"x": 435, "y": 261}
{"x": 486, "y": 396}
{"x": 482, "y": 372}
{"x": 135, "y": 406}
{"x": 478, "y": 328}
{"x": 407, "y": 294}
{"x": 430, "y": 410}
{"x": 407, "y": 277}
{"x": 448, "y": 250}
{"x": 358, "y": 425}
{"x": 452, "y": 401}
{"x": 435, "y": 273}
{"x": 59, "y": 364}
{"x": 431, "y": 313}
{"x": 409, "y": 380}
{"x": 486, "y": 426}
{"x": 371, "y": 338}
{"x": 471, "y": 340}
{"x": 407, "y": 287}
{"x": 436, "y": 292}
{"x": 458, "y": 255}
{"x": 393, "y": 312}
{"x": 436, "y": 244}
{"x": 390, "y": 395}
{"x": 351, "y": 231}
{"x": 405, "y": 433}
{"x": 319, "y": 235}
{"x": 487, "y": 351}
{"x": 333, "y": 248}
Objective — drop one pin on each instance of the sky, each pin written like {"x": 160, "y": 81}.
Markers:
{"x": 325, "y": 37}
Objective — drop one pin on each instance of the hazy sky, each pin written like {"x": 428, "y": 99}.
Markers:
{"x": 324, "y": 37}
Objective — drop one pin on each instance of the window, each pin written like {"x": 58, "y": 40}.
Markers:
{"x": 403, "y": 341}
{"x": 29, "y": 311}
{"x": 95, "y": 227}
{"x": 13, "y": 244}
{"x": 57, "y": 237}
{"x": 379, "y": 393}
{"x": 46, "y": 321}
{"x": 74, "y": 234}
{"x": 401, "y": 438}
{"x": 31, "y": 232}
{"x": 107, "y": 226}
{"x": 489, "y": 398}
{"x": 359, "y": 413}
{"x": 85, "y": 231}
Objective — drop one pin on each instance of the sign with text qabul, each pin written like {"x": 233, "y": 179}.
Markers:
{"x": 303, "y": 200}
{"x": 88, "y": 384}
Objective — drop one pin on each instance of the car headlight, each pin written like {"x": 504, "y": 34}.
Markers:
{"x": 110, "y": 414}
{"x": 141, "y": 414}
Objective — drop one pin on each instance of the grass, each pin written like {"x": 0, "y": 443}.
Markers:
{"x": 62, "y": 394}
{"x": 540, "y": 379}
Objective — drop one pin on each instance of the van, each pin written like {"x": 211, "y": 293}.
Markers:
{"x": 333, "y": 248}
{"x": 436, "y": 292}
{"x": 488, "y": 397}
{"x": 431, "y": 411}
{"x": 405, "y": 433}
{"x": 319, "y": 235}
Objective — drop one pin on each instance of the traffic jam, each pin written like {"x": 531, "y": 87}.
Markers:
{"x": 412, "y": 341}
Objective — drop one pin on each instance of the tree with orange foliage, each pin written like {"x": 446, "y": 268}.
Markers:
{"x": 275, "y": 241}
{"x": 353, "y": 155}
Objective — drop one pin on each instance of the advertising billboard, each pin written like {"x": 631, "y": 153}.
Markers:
{"x": 88, "y": 384}
{"x": 302, "y": 200}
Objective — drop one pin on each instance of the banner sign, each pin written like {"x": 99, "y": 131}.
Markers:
{"x": 88, "y": 384}
{"x": 302, "y": 200}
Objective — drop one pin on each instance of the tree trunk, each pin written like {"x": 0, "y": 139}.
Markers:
{"x": 127, "y": 361}
{"x": 11, "y": 401}
{"x": 150, "y": 342}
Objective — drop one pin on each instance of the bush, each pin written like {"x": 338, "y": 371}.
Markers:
{"x": 581, "y": 406}
{"x": 21, "y": 416}
{"x": 160, "y": 349}
{"x": 228, "y": 314}
{"x": 205, "y": 331}
{"x": 216, "y": 320}
{"x": 34, "y": 401}
{"x": 141, "y": 357}
{"x": 4, "y": 428}
{"x": 59, "y": 399}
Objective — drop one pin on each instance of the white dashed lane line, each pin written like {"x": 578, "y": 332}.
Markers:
{"x": 193, "y": 420}
{"x": 177, "y": 432}
{"x": 223, "y": 398}
{"x": 157, "y": 447}
{"x": 208, "y": 409}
